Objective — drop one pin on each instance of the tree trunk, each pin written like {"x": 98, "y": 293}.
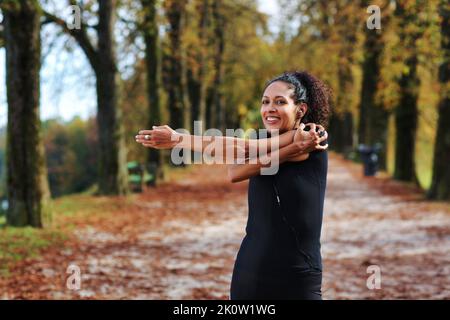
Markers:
{"x": 440, "y": 187}
{"x": 203, "y": 27}
{"x": 187, "y": 107}
{"x": 112, "y": 154}
{"x": 218, "y": 109}
{"x": 341, "y": 132}
{"x": 372, "y": 116}
{"x": 28, "y": 192}
{"x": 153, "y": 63}
{"x": 406, "y": 112}
{"x": 345, "y": 28}
{"x": 345, "y": 78}
{"x": 174, "y": 11}
{"x": 406, "y": 124}
{"x": 178, "y": 101}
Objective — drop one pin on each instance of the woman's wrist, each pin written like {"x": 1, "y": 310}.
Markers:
{"x": 181, "y": 139}
{"x": 298, "y": 147}
{"x": 293, "y": 150}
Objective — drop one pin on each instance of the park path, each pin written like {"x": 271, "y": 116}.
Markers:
{"x": 179, "y": 241}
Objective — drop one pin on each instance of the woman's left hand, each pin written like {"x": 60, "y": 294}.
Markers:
{"x": 161, "y": 137}
{"x": 308, "y": 141}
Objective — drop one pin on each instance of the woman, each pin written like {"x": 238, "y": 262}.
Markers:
{"x": 279, "y": 257}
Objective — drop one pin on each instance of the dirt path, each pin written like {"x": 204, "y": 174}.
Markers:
{"x": 179, "y": 241}
{"x": 381, "y": 222}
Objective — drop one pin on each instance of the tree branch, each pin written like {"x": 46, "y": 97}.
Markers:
{"x": 79, "y": 35}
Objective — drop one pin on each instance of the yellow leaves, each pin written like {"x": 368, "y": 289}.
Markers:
{"x": 242, "y": 110}
{"x": 405, "y": 70}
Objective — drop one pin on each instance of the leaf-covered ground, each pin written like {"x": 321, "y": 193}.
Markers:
{"x": 179, "y": 241}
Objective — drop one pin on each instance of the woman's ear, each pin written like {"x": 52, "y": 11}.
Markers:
{"x": 304, "y": 108}
{"x": 301, "y": 110}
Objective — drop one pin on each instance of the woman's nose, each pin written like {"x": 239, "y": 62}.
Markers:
{"x": 270, "y": 107}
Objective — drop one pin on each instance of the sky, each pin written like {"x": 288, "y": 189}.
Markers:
{"x": 67, "y": 85}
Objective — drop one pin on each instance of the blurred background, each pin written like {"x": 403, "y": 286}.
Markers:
{"x": 78, "y": 79}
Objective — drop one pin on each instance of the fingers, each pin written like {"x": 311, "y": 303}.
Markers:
{"x": 151, "y": 142}
{"x": 317, "y": 131}
{"x": 153, "y": 135}
{"x": 320, "y": 127}
{"x": 151, "y": 138}
{"x": 160, "y": 137}
{"x": 319, "y": 147}
{"x": 142, "y": 136}
{"x": 164, "y": 127}
{"x": 315, "y": 128}
{"x": 324, "y": 137}
{"x": 147, "y": 131}
{"x": 312, "y": 127}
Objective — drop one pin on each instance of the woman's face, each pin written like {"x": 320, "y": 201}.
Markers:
{"x": 278, "y": 110}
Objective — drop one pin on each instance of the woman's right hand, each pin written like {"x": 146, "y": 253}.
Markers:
{"x": 161, "y": 137}
{"x": 308, "y": 141}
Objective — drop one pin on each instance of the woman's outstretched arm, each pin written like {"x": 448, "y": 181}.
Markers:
{"x": 164, "y": 137}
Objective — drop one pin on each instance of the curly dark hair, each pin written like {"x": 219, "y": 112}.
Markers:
{"x": 317, "y": 95}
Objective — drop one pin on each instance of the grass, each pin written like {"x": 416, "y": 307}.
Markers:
{"x": 2, "y": 220}
{"x": 17, "y": 244}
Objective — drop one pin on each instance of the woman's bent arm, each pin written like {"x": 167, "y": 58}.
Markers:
{"x": 240, "y": 148}
{"x": 240, "y": 172}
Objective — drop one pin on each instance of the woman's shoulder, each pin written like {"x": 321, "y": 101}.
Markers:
{"x": 319, "y": 161}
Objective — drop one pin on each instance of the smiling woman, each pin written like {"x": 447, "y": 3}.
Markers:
{"x": 279, "y": 257}
{"x": 303, "y": 98}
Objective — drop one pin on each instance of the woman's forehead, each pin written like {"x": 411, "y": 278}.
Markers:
{"x": 278, "y": 88}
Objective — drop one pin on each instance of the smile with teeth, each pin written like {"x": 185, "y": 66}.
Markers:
{"x": 272, "y": 119}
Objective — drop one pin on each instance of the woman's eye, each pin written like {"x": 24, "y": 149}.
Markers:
{"x": 280, "y": 102}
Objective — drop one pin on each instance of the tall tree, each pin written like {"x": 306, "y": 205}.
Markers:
{"x": 406, "y": 112}
{"x": 113, "y": 177}
{"x": 373, "y": 117}
{"x": 187, "y": 107}
{"x": 203, "y": 7}
{"x": 217, "y": 112}
{"x": 176, "y": 86}
{"x": 346, "y": 21}
{"x": 440, "y": 187}
{"x": 28, "y": 192}
{"x": 153, "y": 74}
